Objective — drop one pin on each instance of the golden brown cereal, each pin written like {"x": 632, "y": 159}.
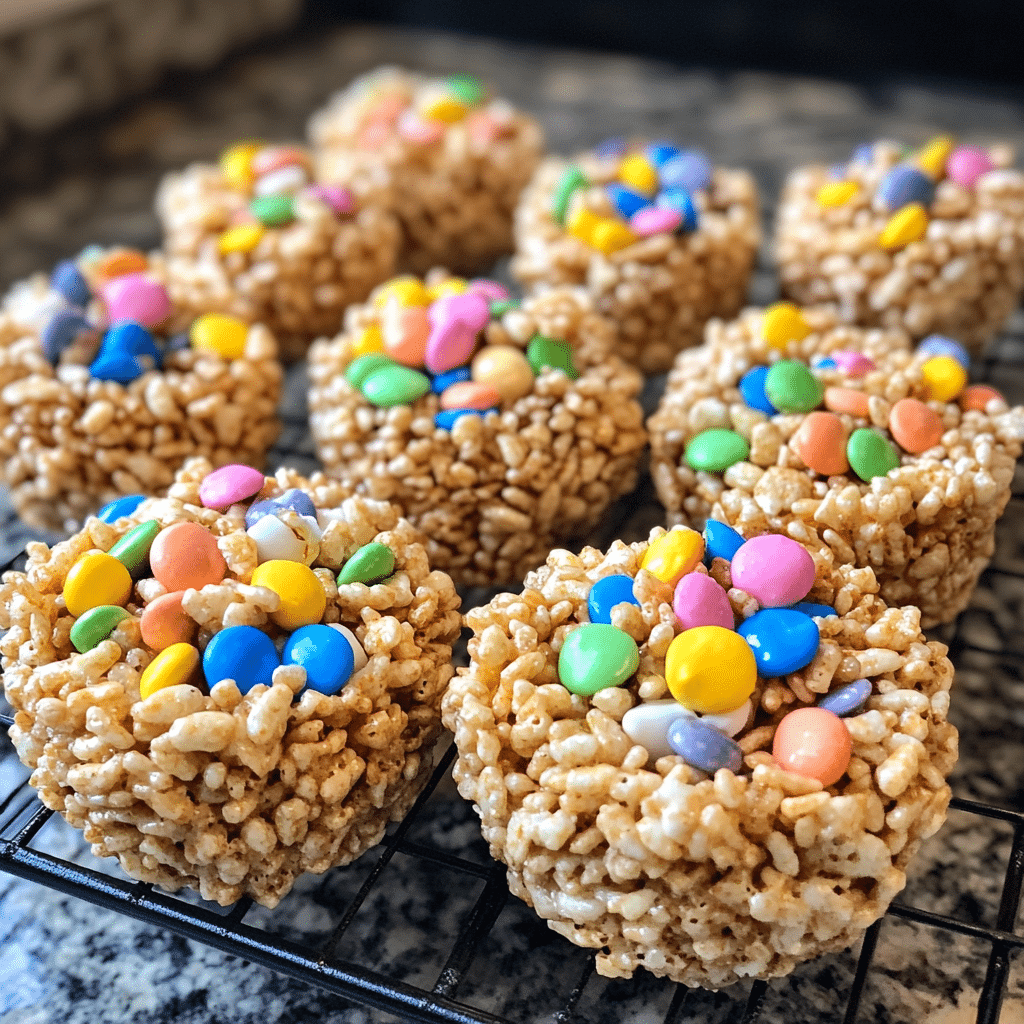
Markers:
{"x": 926, "y": 529}
{"x": 232, "y": 795}
{"x": 703, "y": 880}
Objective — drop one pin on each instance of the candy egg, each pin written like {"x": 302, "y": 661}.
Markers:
{"x": 720, "y": 541}
{"x": 938, "y": 345}
{"x": 470, "y": 394}
{"x": 405, "y": 330}
{"x": 448, "y": 417}
{"x": 268, "y": 159}
{"x": 752, "y": 389}
{"x": 242, "y": 653}
{"x": 815, "y": 743}
{"x": 847, "y": 699}
{"x": 165, "y": 622}
{"x": 977, "y": 396}
{"x": 359, "y": 371}
{"x": 284, "y": 182}
{"x": 241, "y": 238}
{"x": 655, "y": 220}
{"x": 625, "y": 200}
{"x": 117, "y": 263}
{"x": 782, "y": 640}
{"x": 410, "y": 291}
{"x": 773, "y": 569}
{"x": 606, "y": 593}
{"x": 715, "y": 450}
{"x": 847, "y": 400}
{"x": 132, "y": 549}
{"x": 506, "y": 369}
{"x": 571, "y": 180}
{"x": 68, "y": 280}
{"x": 821, "y": 442}
{"x": 648, "y": 724}
{"x": 791, "y": 387}
{"x": 118, "y": 367}
{"x": 220, "y": 335}
{"x": 905, "y": 226}
{"x": 782, "y": 323}
{"x": 690, "y": 170}
{"x": 700, "y": 601}
{"x": 595, "y": 656}
{"x": 294, "y": 499}
{"x": 95, "y": 579}
{"x": 871, "y": 454}
{"x": 492, "y": 291}
{"x": 392, "y": 385}
{"x": 303, "y": 599}
{"x": 185, "y": 556}
{"x": 324, "y": 653}
{"x": 853, "y": 364}
{"x": 966, "y": 164}
{"x": 914, "y": 426}
{"x": 611, "y": 235}
{"x": 703, "y": 746}
{"x": 710, "y": 669}
{"x": 136, "y": 297}
{"x": 732, "y": 722}
{"x": 231, "y": 483}
{"x": 287, "y": 536}
{"x": 902, "y": 185}
{"x": 544, "y": 352}
{"x": 673, "y": 554}
{"x": 337, "y": 197}
{"x": 638, "y": 173}
{"x": 679, "y": 200}
{"x": 455, "y": 321}
{"x": 61, "y": 331}
{"x": 360, "y": 659}
{"x": 944, "y": 378}
{"x": 822, "y": 611}
{"x": 171, "y": 667}
{"x": 96, "y": 625}
{"x": 120, "y": 507}
{"x": 370, "y": 564}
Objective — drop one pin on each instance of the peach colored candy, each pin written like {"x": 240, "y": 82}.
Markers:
{"x": 273, "y": 158}
{"x": 470, "y": 394}
{"x": 165, "y": 622}
{"x": 185, "y": 556}
{"x": 405, "y": 330}
{"x": 821, "y": 442}
{"x": 815, "y": 743}
{"x": 977, "y": 396}
{"x": 848, "y": 400}
{"x": 118, "y": 263}
{"x": 914, "y": 426}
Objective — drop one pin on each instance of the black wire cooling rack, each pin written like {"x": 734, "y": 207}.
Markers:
{"x": 324, "y": 961}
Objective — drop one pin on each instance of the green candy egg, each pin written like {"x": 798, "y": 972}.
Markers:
{"x": 274, "y": 210}
{"x": 715, "y": 450}
{"x": 466, "y": 89}
{"x": 96, "y": 625}
{"x": 791, "y": 387}
{"x": 871, "y": 454}
{"x": 132, "y": 550}
{"x": 572, "y": 178}
{"x": 394, "y": 385}
{"x": 543, "y": 352}
{"x": 370, "y": 564}
{"x": 359, "y": 369}
{"x": 499, "y": 307}
{"x": 595, "y": 656}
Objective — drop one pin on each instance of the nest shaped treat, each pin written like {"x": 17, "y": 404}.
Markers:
{"x": 929, "y": 240}
{"x": 209, "y": 709}
{"x": 256, "y": 237}
{"x": 100, "y": 398}
{"x": 591, "y": 795}
{"x": 455, "y": 158}
{"x": 884, "y": 457}
{"x": 498, "y": 430}
{"x": 660, "y": 238}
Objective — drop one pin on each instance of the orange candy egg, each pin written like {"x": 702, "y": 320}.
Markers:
{"x": 815, "y": 743}
{"x": 914, "y": 426}
{"x": 118, "y": 263}
{"x": 847, "y": 400}
{"x": 164, "y": 622}
{"x": 977, "y": 396}
{"x": 405, "y": 330}
{"x": 821, "y": 442}
{"x": 185, "y": 556}
{"x": 470, "y": 394}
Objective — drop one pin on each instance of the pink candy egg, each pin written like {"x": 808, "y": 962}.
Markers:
{"x": 815, "y": 743}
{"x": 774, "y": 570}
{"x": 273, "y": 158}
{"x": 136, "y": 297}
{"x": 455, "y": 322}
{"x": 490, "y": 290}
{"x": 482, "y": 127}
{"x": 374, "y": 135}
{"x": 337, "y": 197}
{"x": 700, "y": 601}
{"x": 470, "y": 394}
{"x": 225, "y": 486}
{"x": 185, "y": 556}
{"x": 405, "y": 330}
{"x": 855, "y": 364}
{"x": 653, "y": 220}
{"x": 164, "y": 622}
{"x": 966, "y": 164}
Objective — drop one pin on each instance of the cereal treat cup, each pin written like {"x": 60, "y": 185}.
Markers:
{"x": 498, "y": 430}
{"x": 455, "y": 157}
{"x": 199, "y": 688}
{"x": 684, "y": 774}
{"x": 843, "y": 438}
{"x": 930, "y": 240}
{"x": 661, "y": 239}
{"x": 256, "y": 237}
{"x": 99, "y": 397}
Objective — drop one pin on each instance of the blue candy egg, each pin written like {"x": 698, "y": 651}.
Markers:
{"x": 822, "y": 363}
{"x": 905, "y": 184}
{"x": 120, "y": 507}
{"x": 837, "y": 172}
{"x": 690, "y": 170}
{"x": 720, "y": 541}
{"x": 324, "y": 653}
{"x": 848, "y": 699}
{"x": 679, "y": 199}
{"x": 446, "y": 380}
{"x": 68, "y": 280}
{"x": 447, "y": 417}
{"x": 606, "y": 593}
{"x": 938, "y": 345}
{"x": 294, "y": 499}
{"x": 864, "y": 153}
{"x": 61, "y": 331}
{"x": 809, "y": 608}
{"x": 128, "y": 336}
{"x": 783, "y": 640}
{"x": 703, "y": 746}
{"x": 660, "y": 152}
{"x": 625, "y": 200}
{"x": 243, "y": 653}
{"x": 118, "y": 366}
{"x": 752, "y": 390}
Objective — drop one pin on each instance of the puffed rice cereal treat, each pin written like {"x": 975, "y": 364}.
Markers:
{"x": 499, "y": 430}
{"x": 257, "y": 237}
{"x": 685, "y": 775}
{"x": 101, "y": 397}
{"x": 842, "y": 437}
{"x": 660, "y": 238}
{"x": 455, "y": 156}
{"x": 231, "y": 685}
{"x": 930, "y": 240}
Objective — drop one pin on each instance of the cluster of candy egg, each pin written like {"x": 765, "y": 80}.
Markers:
{"x": 275, "y": 178}
{"x": 426, "y": 339}
{"x": 907, "y": 190}
{"x": 711, "y": 666}
{"x": 186, "y": 556}
{"x": 822, "y": 440}
{"x": 653, "y": 195}
{"x": 115, "y": 334}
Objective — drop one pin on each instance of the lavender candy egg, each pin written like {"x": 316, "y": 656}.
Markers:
{"x": 61, "y": 331}
{"x": 848, "y": 699}
{"x": 703, "y": 746}
{"x": 905, "y": 184}
{"x": 293, "y": 498}
{"x": 690, "y": 170}
{"x": 68, "y": 280}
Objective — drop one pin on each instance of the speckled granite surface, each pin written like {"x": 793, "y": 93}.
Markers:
{"x": 65, "y": 960}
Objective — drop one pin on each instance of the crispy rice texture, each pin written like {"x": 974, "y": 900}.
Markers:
{"x": 703, "y": 880}
{"x": 927, "y": 529}
{"x": 231, "y": 795}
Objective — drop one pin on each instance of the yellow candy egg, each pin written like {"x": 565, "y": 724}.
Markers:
{"x": 932, "y": 158}
{"x": 905, "y": 226}
{"x": 410, "y": 291}
{"x": 710, "y": 670}
{"x": 673, "y": 555}
{"x": 171, "y": 667}
{"x": 236, "y": 164}
{"x": 370, "y": 341}
{"x": 783, "y": 323}
{"x": 610, "y": 236}
{"x": 302, "y": 595}
{"x": 96, "y": 579}
{"x": 219, "y": 335}
{"x": 241, "y": 238}
{"x": 444, "y": 108}
{"x": 836, "y": 193}
{"x": 944, "y": 378}
{"x": 581, "y": 224}
{"x": 506, "y": 369}
{"x": 638, "y": 173}
{"x": 449, "y": 286}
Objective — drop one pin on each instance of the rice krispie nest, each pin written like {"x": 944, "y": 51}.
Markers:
{"x": 232, "y": 795}
{"x": 70, "y": 443}
{"x": 454, "y": 185}
{"x": 299, "y": 276}
{"x": 704, "y": 880}
{"x": 496, "y": 492}
{"x": 963, "y": 278}
{"x": 661, "y": 290}
{"x": 926, "y": 528}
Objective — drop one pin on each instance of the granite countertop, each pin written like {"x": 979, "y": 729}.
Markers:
{"x": 68, "y": 960}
